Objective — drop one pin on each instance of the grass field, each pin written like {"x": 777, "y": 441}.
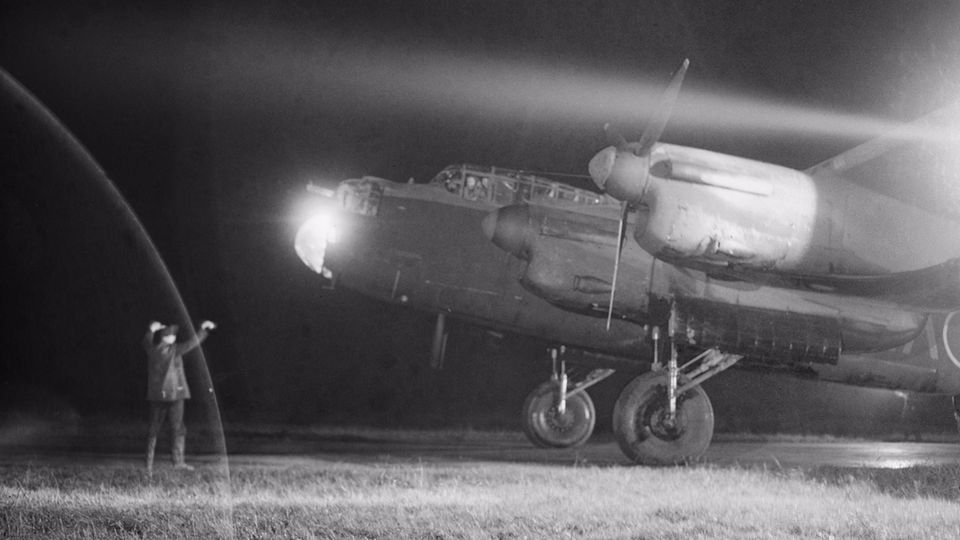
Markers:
{"x": 312, "y": 498}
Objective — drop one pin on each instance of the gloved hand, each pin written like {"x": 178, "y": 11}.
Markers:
{"x": 155, "y": 325}
{"x": 208, "y": 325}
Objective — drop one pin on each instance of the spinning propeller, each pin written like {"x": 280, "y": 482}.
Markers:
{"x": 628, "y": 165}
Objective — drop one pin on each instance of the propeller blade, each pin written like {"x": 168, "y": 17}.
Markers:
{"x": 621, "y": 232}
{"x": 602, "y": 164}
{"x": 662, "y": 115}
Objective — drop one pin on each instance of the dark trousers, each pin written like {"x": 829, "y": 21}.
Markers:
{"x": 956, "y": 410}
{"x": 160, "y": 410}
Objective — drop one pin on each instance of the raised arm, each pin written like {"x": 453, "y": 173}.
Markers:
{"x": 148, "y": 337}
{"x": 197, "y": 339}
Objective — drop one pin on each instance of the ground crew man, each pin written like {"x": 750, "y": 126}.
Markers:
{"x": 167, "y": 385}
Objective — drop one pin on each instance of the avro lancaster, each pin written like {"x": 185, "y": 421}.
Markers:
{"x": 683, "y": 263}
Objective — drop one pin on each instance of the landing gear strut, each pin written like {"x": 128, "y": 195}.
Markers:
{"x": 664, "y": 417}
{"x": 557, "y": 416}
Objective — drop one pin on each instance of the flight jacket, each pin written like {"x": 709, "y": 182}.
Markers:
{"x": 166, "y": 380}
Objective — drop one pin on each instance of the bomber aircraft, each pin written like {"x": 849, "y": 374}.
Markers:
{"x": 685, "y": 263}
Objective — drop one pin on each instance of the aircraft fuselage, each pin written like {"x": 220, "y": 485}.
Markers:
{"x": 425, "y": 248}
{"x": 550, "y": 278}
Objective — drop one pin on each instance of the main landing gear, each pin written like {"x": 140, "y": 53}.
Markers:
{"x": 557, "y": 415}
{"x": 664, "y": 417}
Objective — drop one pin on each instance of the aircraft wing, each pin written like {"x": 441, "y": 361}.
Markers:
{"x": 918, "y": 164}
{"x": 932, "y": 289}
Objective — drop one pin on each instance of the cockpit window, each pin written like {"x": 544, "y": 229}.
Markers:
{"x": 451, "y": 179}
{"x": 545, "y": 191}
{"x": 476, "y": 188}
{"x": 505, "y": 186}
{"x": 504, "y": 191}
{"x": 360, "y": 196}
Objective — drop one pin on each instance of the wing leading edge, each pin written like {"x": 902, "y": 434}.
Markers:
{"x": 918, "y": 164}
{"x": 932, "y": 289}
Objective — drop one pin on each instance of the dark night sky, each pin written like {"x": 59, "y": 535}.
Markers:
{"x": 209, "y": 119}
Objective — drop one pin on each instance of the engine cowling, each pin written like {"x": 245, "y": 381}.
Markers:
{"x": 703, "y": 208}
{"x": 569, "y": 257}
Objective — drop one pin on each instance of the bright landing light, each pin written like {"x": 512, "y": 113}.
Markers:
{"x": 312, "y": 239}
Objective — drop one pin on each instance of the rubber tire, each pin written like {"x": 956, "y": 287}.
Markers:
{"x": 634, "y": 422}
{"x": 540, "y": 415}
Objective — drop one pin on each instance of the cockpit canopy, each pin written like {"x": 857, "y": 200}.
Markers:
{"x": 506, "y": 186}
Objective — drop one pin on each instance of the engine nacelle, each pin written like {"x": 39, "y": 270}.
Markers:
{"x": 570, "y": 258}
{"x": 702, "y": 208}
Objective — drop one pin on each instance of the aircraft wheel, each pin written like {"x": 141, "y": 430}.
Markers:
{"x": 547, "y": 428}
{"x": 641, "y": 433}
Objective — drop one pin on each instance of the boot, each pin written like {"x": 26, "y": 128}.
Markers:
{"x": 151, "y": 449}
{"x": 179, "y": 443}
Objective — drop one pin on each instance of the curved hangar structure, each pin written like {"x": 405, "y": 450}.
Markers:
{"x": 687, "y": 262}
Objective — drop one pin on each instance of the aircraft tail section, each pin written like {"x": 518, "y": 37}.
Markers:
{"x": 918, "y": 164}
